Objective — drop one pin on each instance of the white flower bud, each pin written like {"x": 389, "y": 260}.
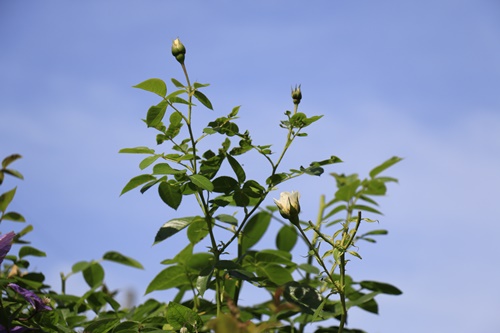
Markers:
{"x": 288, "y": 205}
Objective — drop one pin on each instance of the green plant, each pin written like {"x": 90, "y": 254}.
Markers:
{"x": 232, "y": 217}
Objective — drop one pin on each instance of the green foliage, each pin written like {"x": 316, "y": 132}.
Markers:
{"x": 230, "y": 220}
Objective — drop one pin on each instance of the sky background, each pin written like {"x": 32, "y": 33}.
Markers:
{"x": 416, "y": 79}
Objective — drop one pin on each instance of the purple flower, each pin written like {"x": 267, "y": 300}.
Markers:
{"x": 5, "y": 244}
{"x": 15, "y": 329}
{"x": 35, "y": 301}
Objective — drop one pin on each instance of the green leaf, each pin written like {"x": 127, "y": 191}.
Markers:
{"x": 155, "y": 114}
{"x": 9, "y": 159}
{"x": 80, "y": 266}
{"x": 240, "y": 198}
{"x": 176, "y": 99}
{"x": 166, "y": 169}
{"x": 174, "y": 128}
{"x": 310, "y": 120}
{"x": 94, "y": 275}
{"x": 374, "y": 187}
{"x": 202, "y": 182}
{"x": 312, "y": 170}
{"x": 387, "y": 164}
{"x": 203, "y": 99}
{"x": 200, "y": 261}
{"x": 197, "y": 85}
{"x": 197, "y": 230}
{"x": 154, "y": 85}
{"x": 170, "y": 277}
{"x": 202, "y": 283}
{"x": 277, "y": 178}
{"x": 384, "y": 288}
{"x": 24, "y": 231}
{"x": 253, "y": 189}
{"x": 238, "y": 170}
{"x": 334, "y": 211}
{"x": 347, "y": 192}
{"x": 102, "y": 325}
{"x": 354, "y": 253}
{"x": 127, "y": 326}
{"x": 225, "y": 184}
{"x": 6, "y": 198}
{"x": 309, "y": 268}
{"x": 13, "y": 216}
{"x": 300, "y": 120}
{"x": 366, "y": 209}
{"x": 171, "y": 194}
{"x": 274, "y": 256}
{"x": 254, "y": 230}
{"x": 309, "y": 299}
{"x": 363, "y": 299}
{"x": 226, "y": 218}
{"x": 275, "y": 273}
{"x": 151, "y": 184}
{"x": 179, "y": 316}
{"x": 331, "y": 160}
{"x": 30, "y": 251}
{"x": 286, "y": 238}
{"x": 376, "y": 232}
{"x": 148, "y": 161}
{"x": 121, "y": 259}
{"x": 175, "y": 93}
{"x": 177, "y": 83}
{"x": 181, "y": 257}
{"x": 234, "y": 111}
{"x": 137, "y": 150}
{"x": 136, "y": 181}
{"x": 11, "y": 172}
{"x": 172, "y": 227}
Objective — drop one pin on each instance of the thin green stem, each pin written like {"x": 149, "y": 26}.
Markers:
{"x": 343, "y": 317}
{"x": 312, "y": 248}
{"x": 346, "y": 242}
{"x": 314, "y": 240}
{"x": 190, "y": 92}
{"x": 289, "y": 139}
{"x": 63, "y": 284}
{"x": 200, "y": 197}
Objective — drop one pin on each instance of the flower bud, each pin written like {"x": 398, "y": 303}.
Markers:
{"x": 296, "y": 95}
{"x": 288, "y": 205}
{"x": 178, "y": 50}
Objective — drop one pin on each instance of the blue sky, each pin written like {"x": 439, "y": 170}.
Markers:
{"x": 417, "y": 79}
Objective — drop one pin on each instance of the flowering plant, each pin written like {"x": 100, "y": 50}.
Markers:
{"x": 288, "y": 205}
{"x": 231, "y": 219}
{"x": 299, "y": 292}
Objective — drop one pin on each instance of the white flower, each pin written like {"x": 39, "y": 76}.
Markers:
{"x": 288, "y": 205}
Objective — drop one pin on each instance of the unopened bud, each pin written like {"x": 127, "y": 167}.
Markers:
{"x": 178, "y": 50}
{"x": 296, "y": 95}
{"x": 288, "y": 205}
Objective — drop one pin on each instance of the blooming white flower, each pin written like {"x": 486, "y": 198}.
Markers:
{"x": 288, "y": 205}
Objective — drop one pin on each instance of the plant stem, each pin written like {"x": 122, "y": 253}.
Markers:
{"x": 346, "y": 242}
{"x": 319, "y": 219}
{"x": 289, "y": 140}
{"x": 311, "y": 247}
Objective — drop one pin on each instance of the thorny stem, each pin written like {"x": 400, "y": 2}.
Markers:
{"x": 345, "y": 236}
{"x": 296, "y": 223}
{"x": 319, "y": 219}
